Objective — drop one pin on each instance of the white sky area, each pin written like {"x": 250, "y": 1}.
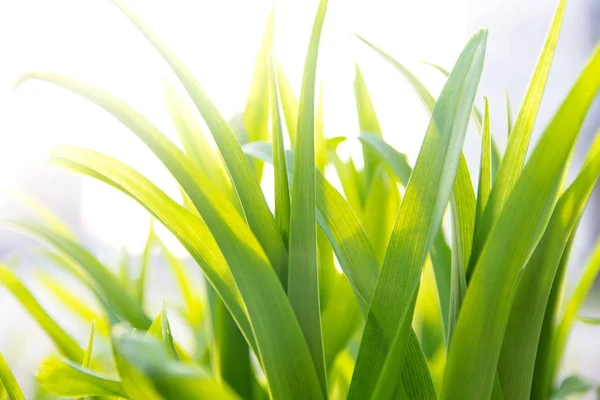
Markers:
{"x": 92, "y": 41}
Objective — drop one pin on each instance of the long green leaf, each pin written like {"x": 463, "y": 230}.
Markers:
{"x": 417, "y": 223}
{"x": 65, "y": 343}
{"x": 516, "y": 150}
{"x": 519, "y": 350}
{"x": 475, "y": 349}
{"x": 9, "y": 382}
{"x": 244, "y": 178}
{"x": 303, "y": 278}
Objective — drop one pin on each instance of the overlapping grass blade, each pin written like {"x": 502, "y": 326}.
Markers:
{"x": 418, "y": 221}
{"x": 63, "y": 341}
{"x": 516, "y": 149}
{"x": 463, "y": 202}
{"x": 119, "y": 301}
{"x": 475, "y": 349}
{"x": 288, "y": 367}
{"x": 519, "y": 350}
{"x": 8, "y": 381}
{"x": 65, "y": 378}
{"x": 303, "y": 277}
{"x": 255, "y": 208}
{"x": 352, "y": 248}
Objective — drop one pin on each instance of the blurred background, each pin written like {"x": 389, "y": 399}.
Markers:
{"x": 90, "y": 40}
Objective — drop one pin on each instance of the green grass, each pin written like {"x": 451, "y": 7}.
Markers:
{"x": 420, "y": 310}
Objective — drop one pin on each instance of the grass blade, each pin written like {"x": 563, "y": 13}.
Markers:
{"x": 516, "y": 150}
{"x": 63, "y": 341}
{"x": 519, "y": 350}
{"x": 244, "y": 178}
{"x": 352, "y": 248}
{"x": 303, "y": 279}
{"x": 475, "y": 349}
{"x": 417, "y": 223}
{"x": 9, "y": 382}
{"x": 463, "y": 202}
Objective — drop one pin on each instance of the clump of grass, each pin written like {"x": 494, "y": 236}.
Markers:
{"x": 413, "y": 315}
